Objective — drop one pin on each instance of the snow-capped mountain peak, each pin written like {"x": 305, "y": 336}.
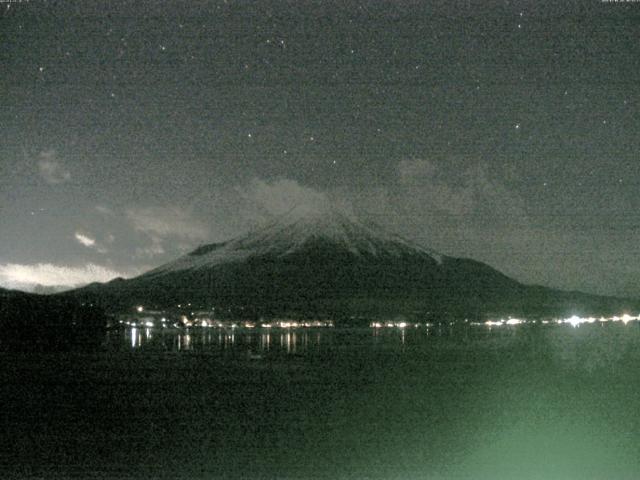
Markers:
{"x": 293, "y": 230}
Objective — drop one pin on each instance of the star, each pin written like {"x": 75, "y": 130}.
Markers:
{"x": 517, "y": 126}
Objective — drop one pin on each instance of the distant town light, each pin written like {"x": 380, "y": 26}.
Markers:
{"x": 140, "y": 308}
{"x": 574, "y": 321}
{"x": 493, "y": 323}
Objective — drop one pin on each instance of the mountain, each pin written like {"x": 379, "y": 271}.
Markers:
{"x": 325, "y": 262}
{"x": 30, "y": 321}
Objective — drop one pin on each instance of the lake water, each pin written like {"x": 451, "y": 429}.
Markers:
{"x": 453, "y": 402}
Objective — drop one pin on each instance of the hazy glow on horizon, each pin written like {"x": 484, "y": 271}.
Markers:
{"x": 13, "y": 275}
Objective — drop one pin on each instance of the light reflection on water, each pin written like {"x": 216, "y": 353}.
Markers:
{"x": 289, "y": 341}
{"x": 562, "y": 342}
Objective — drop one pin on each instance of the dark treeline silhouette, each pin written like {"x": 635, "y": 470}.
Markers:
{"x": 30, "y": 322}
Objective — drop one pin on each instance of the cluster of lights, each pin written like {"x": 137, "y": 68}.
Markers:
{"x": 399, "y": 325}
{"x": 294, "y": 324}
{"x": 205, "y": 322}
{"x": 574, "y": 320}
{"x": 502, "y": 321}
{"x": 184, "y": 321}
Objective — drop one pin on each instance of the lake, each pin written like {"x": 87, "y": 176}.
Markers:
{"x": 449, "y": 402}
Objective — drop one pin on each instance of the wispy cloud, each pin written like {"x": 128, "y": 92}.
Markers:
{"x": 51, "y": 168}
{"x": 470, "y": 191}
{"x": 155, "y": 248}
{"x": 161, "y": 223}
{"x": 264, "y": 199}
{"x": 85, "y": 240}
{"x": 14, "y": 275}
{"x": 279, "y": 196}
{"x": 104, "y": 210}
{"x": 88, "y": 241}
{"x": 167, "y": 222}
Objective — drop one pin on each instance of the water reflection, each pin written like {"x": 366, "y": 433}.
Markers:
{"x": 302, "y": 341}
{"x": 289, "y": 341}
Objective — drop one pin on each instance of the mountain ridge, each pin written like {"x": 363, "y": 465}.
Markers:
{"x": 328, "y": 262}
{"x": 290, "y": 232}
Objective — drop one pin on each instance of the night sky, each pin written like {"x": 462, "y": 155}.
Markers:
{"x": 508, "y": 132}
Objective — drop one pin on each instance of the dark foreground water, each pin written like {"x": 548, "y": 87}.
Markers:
{"x": 525, "y": 402}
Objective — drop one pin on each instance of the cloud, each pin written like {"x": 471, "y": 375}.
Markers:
{"x": 166, "y": 222}
{"x": 279, "y": 196}
{"x": 262, "y": 199}
{"x": 152, "y": 250}
{"x": 85, "y": 240}
{"x": 470, "y": 192}
{"x": 14, "y": 275}
{"x": 104, "y": 210}
{"x": 89, "y": 242}
{"x": 162, "y": 223}
{"x": 427, "y": 187}
{"x": 51, "y": 169}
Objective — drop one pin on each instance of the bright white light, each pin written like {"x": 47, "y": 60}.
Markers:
{"x": 140, "y": 308}
{"x": 149, "y": 324}
{"x": 514, "y": 321}
{"x": 574, "y": 321}
{"x": 492, "y": 323}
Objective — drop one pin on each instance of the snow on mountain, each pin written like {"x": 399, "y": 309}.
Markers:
{"x": 295, "y": 229}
